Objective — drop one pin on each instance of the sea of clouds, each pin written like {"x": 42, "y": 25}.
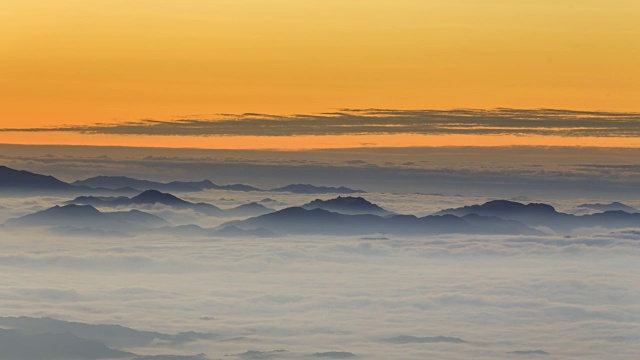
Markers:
{"x": 296, "y": 297}
{"x": 574, "y": 298}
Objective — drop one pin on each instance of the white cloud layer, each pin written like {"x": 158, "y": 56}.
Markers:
{"x": 575, "y": 298}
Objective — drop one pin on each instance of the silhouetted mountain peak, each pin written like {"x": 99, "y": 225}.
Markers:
{"x": 155, "y": 196}
{"x": 21, "y": 180}
{"x": 508, "y": 206}
{"x": 251, "y": 205}
{"x": 73, "y": 215}
{"x": 346, "y": 200}
{"x": 352, "y": 205}
{"x": 502, "y": 207}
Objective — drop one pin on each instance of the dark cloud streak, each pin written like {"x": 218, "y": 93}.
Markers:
{"x": 381, "y": 121}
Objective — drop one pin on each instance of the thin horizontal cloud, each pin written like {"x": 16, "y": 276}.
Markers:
{"x": 499, "y": 121}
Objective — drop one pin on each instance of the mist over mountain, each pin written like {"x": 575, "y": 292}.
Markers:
{"x": 235, "y": 231}
{"x": 88, "y": 216}
{"x": 297, "y": 220}
{"x": 335, "y": 261}
{"x": 119, "y": 182}
{"x": 311, "y": 189}
{"x": 116, "y": 182}
{"x": 15, "y": 345}
{"x": 246, "y": 210}
{"x": 614, "y": 206}
{"x": 536, "y": 214}
{"x": 49, "y": 339}
{"x": 152, "y": 197}
{"x": 112, "y": 335}
{"x": 348, "y": 205}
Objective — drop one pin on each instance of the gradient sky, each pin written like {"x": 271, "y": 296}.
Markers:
{"x": 90, "y": 61}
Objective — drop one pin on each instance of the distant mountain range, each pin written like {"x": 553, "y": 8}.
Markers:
{"x": 118, "y": 182}
{"x": 26, "y": 338}
{"x": 298, "y": 220}
{"x": 18, "y": 181}
{"x": 348, "y": 205}
{"x": 343, "y": 215}
{"x": 311, "y": 189}
{"x": 86, "y": 216}
{"x": 152, "y": 197}
{"x": 23, "y": 181}
{"x": 86, "y": 221}
{"x": 535, "y": 214}
{"x": 338, "y": 216}
{"x": 614, "y": 206}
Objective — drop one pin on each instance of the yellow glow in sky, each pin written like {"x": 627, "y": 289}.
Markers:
{"x": 86, "y": 61}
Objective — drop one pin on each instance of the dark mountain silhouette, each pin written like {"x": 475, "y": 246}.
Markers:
{"x": 157, "y": 197}
{"x": 504, "y": 209}
{"x": 614, "y": 206}
{"x": 59, "y": 346}
{"x": 112, "y": 335}
{"x": 535, "y": 214}
{"x": 408, "y": 339}
{"x": 99, "y": 201}
{"x": 122, "y": 182}
{"x": 117, "y": 182}
{"x": 152, "y": 197}
{"x": 19, "y": 180}
{"x": 348, "y": 205}
{"x": 297, "y": 220}
{"x": 250, "y": 209}
{"x": 137, "y": 216}
{"x": 312, "y": 189}
{"x": 82, "y": 216}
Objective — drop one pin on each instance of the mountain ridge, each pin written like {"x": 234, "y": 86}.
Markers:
{"x": 349, "y": 205}
{"x": 152, "y": 197}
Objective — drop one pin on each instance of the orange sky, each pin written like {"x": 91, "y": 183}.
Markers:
{"x": 307, "y": 142}
{"x": 87, "y": 61}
